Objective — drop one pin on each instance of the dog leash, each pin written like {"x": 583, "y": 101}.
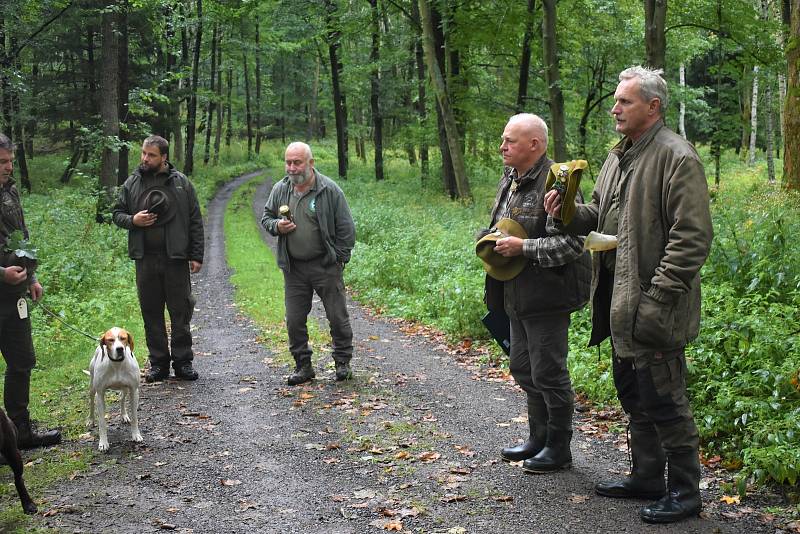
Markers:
{"x": 62, "y": 321}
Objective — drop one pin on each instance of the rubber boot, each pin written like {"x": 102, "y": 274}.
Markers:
{"x": 28, "y": 437}
{"x": 683, "y": 497}
{"x": 537, "y": 423}
{"x": 556, "y": 454}
{"x": 648, "y": 460}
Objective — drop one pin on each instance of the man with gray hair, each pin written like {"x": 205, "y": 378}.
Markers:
{"x": 552, "y": 283}
{"x": 309, "y": 214}
{"x": 652, "y": 195}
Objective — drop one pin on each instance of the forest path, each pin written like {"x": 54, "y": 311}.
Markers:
{"x": 412, "y": 442}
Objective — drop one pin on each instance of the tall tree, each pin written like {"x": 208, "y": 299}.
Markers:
{"x": 791, "y": 107}
{"x": 109, "y": 107}
{"x": 655, "y": 39}
{"x": 751, "y": 154}
{"x": 123, "y": 89}
{"x": 333, "y": 35}
{"x": 375, "y": 90}
{"x": 259, "y": 131}
{"x": 525, "y": 59}
{"x": 553, "y": 78}
{"x": 191, "y": 112}
{"x": 453, "y": 137}
{"x": 211, "y": 107}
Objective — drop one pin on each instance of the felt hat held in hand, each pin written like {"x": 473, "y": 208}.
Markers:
{"x": 565, "y": 178}
{"x": 497, "y": 266}
{"x": 160, "y": 200}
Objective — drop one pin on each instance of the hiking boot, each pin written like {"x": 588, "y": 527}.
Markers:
{"x": 185, "y": 371}
{"x": 156, "y": 374}
{"x": 29, "y": 438}
{"x": 302, "y": 374}
{"x": 343, "y": 371}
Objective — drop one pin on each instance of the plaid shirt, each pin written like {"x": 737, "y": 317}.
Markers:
{"x": 553, "y": 250}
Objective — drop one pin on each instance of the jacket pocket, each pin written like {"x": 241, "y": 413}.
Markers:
{"x": 654, "y": 322}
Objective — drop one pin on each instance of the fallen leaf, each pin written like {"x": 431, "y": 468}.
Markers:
{"x": 727, "y": 499}
{"x": 503, "y": 498}
{"x": 393, "y": 525}
{"x": 402, "y": 455}
{"x": 460, "y": 470}
{"x": 429, "y": 456}
{"x": 229, "y": 482}
{"x": 578, "y": 498}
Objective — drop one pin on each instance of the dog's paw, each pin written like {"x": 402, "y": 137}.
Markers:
{"x": 103, "y": 445}
{"x": 89, "y": 423}
{"x": 126, "y": 418}
{"x": 137, "y": 436}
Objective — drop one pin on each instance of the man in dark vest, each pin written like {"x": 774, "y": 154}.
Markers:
{"x": 553, "y": 282}
{"x": 16, "y": 342}
{"x": 158, "y": 206}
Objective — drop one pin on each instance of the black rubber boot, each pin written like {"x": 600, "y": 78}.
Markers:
{"x": 303, "y": 373}
{"x": 343, "y": 371}
{"x": 537, "y": 422}
{"x": 556, "y": 454}
{"x": 683, "y": 497}
{"x": 648, "y": 460}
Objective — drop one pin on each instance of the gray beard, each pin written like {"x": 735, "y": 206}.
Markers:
{"x": 299, "y": 179}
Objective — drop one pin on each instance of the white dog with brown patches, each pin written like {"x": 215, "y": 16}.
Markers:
{"x": 113, "y": 366}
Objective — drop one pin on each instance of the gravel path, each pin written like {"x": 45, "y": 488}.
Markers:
{"x": 412, "y": 442}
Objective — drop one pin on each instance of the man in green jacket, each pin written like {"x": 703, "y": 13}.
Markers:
{"x": 652, "y": 195}
{"x": 16, "y": 342}
{"x": 315, "y": 238}
{"x": 158, "y": 206}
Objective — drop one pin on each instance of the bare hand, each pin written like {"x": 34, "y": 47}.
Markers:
{"x": 15, "y": 275}
{"x": 195, "y": 266}
{"x": 144, "y": 218}
{"x": 285, "y": 226}
{"x": 508, "y": 246}
{"x": 36, "y": 290}
{"x": 552, "y": 204}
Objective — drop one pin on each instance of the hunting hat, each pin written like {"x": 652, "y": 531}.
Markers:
{"x": 565, "y": 178}
{"x": 160, "y": 200}
{"x": 497, "y": 266}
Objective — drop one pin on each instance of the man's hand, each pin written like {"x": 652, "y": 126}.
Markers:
{"x": 285, "y": 226}
{"x": 144, "y": 218}
{"x": 36, "y": 290}
{"x": 15, "y": 275}
{"x": 552, "y": 204}
{"x": 508, "y": 246}
{"x": 195, "y": 266}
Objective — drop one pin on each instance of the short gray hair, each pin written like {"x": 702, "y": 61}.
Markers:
{"x": 5, "y": 143}
{"x": 651, "y": 84}
{"x": 304, "y": 146}
{"x": 533, "y": 121}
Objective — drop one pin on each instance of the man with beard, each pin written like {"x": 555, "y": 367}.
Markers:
{"x": 158, "y": 206}
{"x": 16, "y": 342}
{"x": 315, "y": 237}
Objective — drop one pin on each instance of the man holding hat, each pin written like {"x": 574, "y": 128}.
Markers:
{"x": 652, "y": 195}
{"x": 539, "y": 278}
{"x": 158, "y": 206}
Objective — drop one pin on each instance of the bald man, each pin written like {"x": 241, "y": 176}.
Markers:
{"x": 539, "y": 300}
{"x": 315, "y": 239}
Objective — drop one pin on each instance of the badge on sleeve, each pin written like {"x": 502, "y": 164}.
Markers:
{"x": 22, "y": 308}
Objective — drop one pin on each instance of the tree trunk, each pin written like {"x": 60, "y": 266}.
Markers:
{"x": 655, "y": 39}
{"x": 553, "y": 78}
{"x": 258, "y": 89}
{"x": 191, "y": 114}
{"x": 212, "y": 104}
{"x": 716, "y": 137}
{"x": 109, "y": 110}
{"x": 525, "y": 59}
{"x": 781, "y": 103}
{"x": 791, "y": 107}
{"x": 770, "y": 130}
{"x": 313, "y": 130}
{"x": 218, "y": 107}
{"x": 124, "y": 87}
{"x": 751, "y": 154}
{"x": 422, "y": 106}
{"x": 682, "y": 112}
{"x": 229, "y": 109}
{"x": 375, "y": 90}
{"x": 448, "y": 173}
{"x": 248, "y": 116}
{"x": 339, "y": 98}
{"x": 453, "y": 138}
{"x": 73, "y": 162}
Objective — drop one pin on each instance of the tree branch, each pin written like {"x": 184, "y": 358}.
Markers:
{"x": 14, "y": 54}
{"x": 721, "y": 33}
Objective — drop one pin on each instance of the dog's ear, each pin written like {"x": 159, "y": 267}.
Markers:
{"x": 130, "y": 340}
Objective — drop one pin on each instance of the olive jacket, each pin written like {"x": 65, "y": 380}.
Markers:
{"x": 664, "y": 236}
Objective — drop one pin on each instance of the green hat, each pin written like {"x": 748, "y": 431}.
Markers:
{"x": 497, "y": 266}
{"x": 565, "y": 178}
